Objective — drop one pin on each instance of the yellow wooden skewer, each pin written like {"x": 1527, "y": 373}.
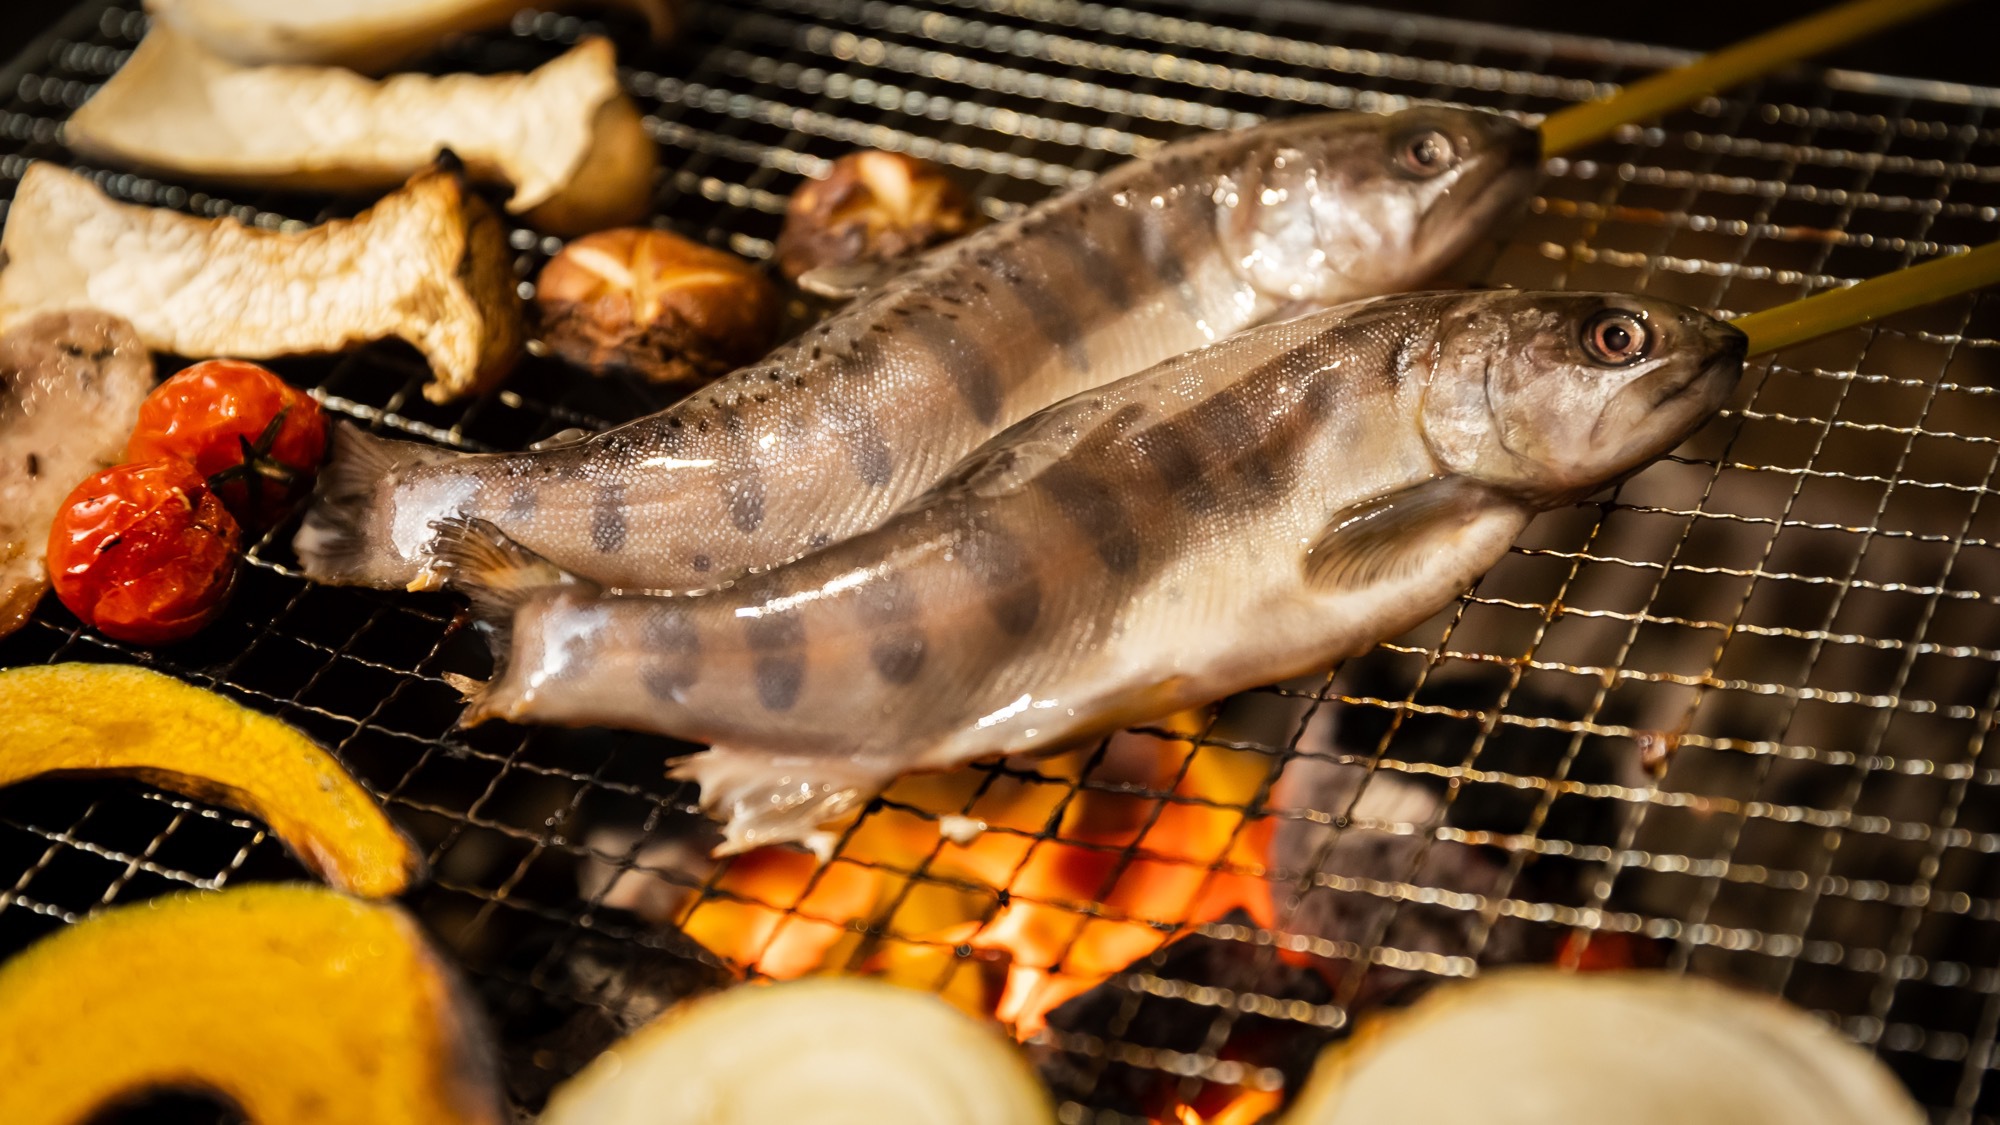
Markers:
{"x": 1579, "y": 125}
{"x": 1873, "y": 299}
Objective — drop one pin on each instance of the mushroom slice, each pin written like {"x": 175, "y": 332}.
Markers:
{"x": 70, "y": 388}
{"x": 110, "y": 719}
{"x": 366, "y": 35}
{"x": 429, "y": 264}
{"x": 296, "y": 1003}
{"x": 565, "y": 137}
{"x": 826, "y": 1050}
{"x": 1534, "y": 1045}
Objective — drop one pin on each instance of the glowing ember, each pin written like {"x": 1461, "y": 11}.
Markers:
{"x": 1059, "y": 886}
{"x": 1247, "y": 1108}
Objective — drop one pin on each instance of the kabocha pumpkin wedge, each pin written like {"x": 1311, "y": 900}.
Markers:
{"x": 565, "y": 136}
{"x": 113, "y": 719}
{"x": 298, "y": 1004}
{"x": 428, "y": 264}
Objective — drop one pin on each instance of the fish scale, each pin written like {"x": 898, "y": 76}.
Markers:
{"x": 1237, "y": 515}
{"x": 835, "y": 430}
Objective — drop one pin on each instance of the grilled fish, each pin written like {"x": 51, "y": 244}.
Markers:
{"x": 70, "y": 387}
{"x": 837, "y": 429}
{"x": 1253, "y": 510}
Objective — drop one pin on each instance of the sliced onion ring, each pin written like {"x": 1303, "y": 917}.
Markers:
{"x": 807, "y": 1052}
{"x": 1538, "y": 1045}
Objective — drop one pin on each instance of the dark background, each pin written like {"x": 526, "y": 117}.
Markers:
{"x": 1956, "y": 45}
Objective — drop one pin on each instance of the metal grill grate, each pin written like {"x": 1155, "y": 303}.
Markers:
{"x": 1731, "y": 718}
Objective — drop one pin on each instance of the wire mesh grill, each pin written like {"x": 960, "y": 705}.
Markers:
{"x": 1730, "y": 718}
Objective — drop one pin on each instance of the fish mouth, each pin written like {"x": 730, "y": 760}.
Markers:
{"x": 1723, "y": 367}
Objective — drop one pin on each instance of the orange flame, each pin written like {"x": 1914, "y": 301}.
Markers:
{"x": 1246, "y": 1108}
{"x": 1063, "y": 885}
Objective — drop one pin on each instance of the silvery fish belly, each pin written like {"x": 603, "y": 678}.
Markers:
{"x": 835, "y": 430}
{"x": 1247, "y": 512}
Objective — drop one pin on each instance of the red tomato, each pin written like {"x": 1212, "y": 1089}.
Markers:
{"x": 144, "y": 551}
{"x": 257, "y": 439}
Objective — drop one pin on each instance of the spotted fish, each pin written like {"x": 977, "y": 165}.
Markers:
{"x": 835, "y": 430}
{"x": 1251, "y": 511}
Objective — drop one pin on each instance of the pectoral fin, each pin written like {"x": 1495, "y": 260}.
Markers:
{"x": 1390, "y": 537}
{"x": 768, "y": 798}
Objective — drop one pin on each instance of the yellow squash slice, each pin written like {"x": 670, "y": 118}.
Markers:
{"x": 114, "y": 719}
{"x": 300, "y": 1005}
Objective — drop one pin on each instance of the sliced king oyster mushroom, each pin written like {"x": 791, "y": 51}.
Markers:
{"x": 429, "y": 264}
{"x": 366, "y": 35}
{"x": 70, "y": 387}
{"x": 565, "y": 136}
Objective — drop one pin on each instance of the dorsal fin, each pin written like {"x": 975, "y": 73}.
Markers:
{"x": 849, "y": 280}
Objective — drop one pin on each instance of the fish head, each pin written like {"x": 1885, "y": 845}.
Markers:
{"x": 1551, "y": 396}
{"x": 1339, "y": 206}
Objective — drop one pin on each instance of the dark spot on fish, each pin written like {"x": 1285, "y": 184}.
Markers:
{"x": 778, "y": 640}
{"x": 1227, "y": 421}
{"x": 34, "y": 465}
{"x": 521, "y": 504}
{"x": 819, "y": 539}
{"x": 968, "y": 360}
{"x": 1157, "y": 250}
{"x": 1316, "y": 398}
{"x": 1175, "y": 455}
{"x": 674, "y": 421}
{"x": 746, "y": 498}
{"x": 859, "y": 432}
{"x": 1096, "y": 510}
{"x": 672, "y": 647}
{"x": 701, "y": 563}
{"x": 898, "y": 656}
{"x": 607, "y": 518}
{"x": 1054, "y": 314}
{"x": 870, "y": 452}
{"x": 1261, "y": 473}
{"x": 999, "y": 561}
{"x": 1099, "y": 270}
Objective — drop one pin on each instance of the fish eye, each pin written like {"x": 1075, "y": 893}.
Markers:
{"x": 1616, "y": 338}
{"x": 1426, "y": 153}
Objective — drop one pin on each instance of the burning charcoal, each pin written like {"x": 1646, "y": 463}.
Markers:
{"x": 655, "y": 883}
{"x": 1165, "y": 1017}
{"x": 1358, "y": 872}
{"x": 598, "y": 989}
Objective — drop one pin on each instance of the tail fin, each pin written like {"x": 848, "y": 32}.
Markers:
{"x": 341, "y": 540}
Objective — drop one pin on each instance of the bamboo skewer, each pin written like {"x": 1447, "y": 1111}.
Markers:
{"x": 1579, "y": 125}
{"x": 1873, "y": 299}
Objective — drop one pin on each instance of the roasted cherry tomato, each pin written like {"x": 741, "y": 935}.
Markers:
{"x": 145, "y": 552}
{"x": 257, "y": 439}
